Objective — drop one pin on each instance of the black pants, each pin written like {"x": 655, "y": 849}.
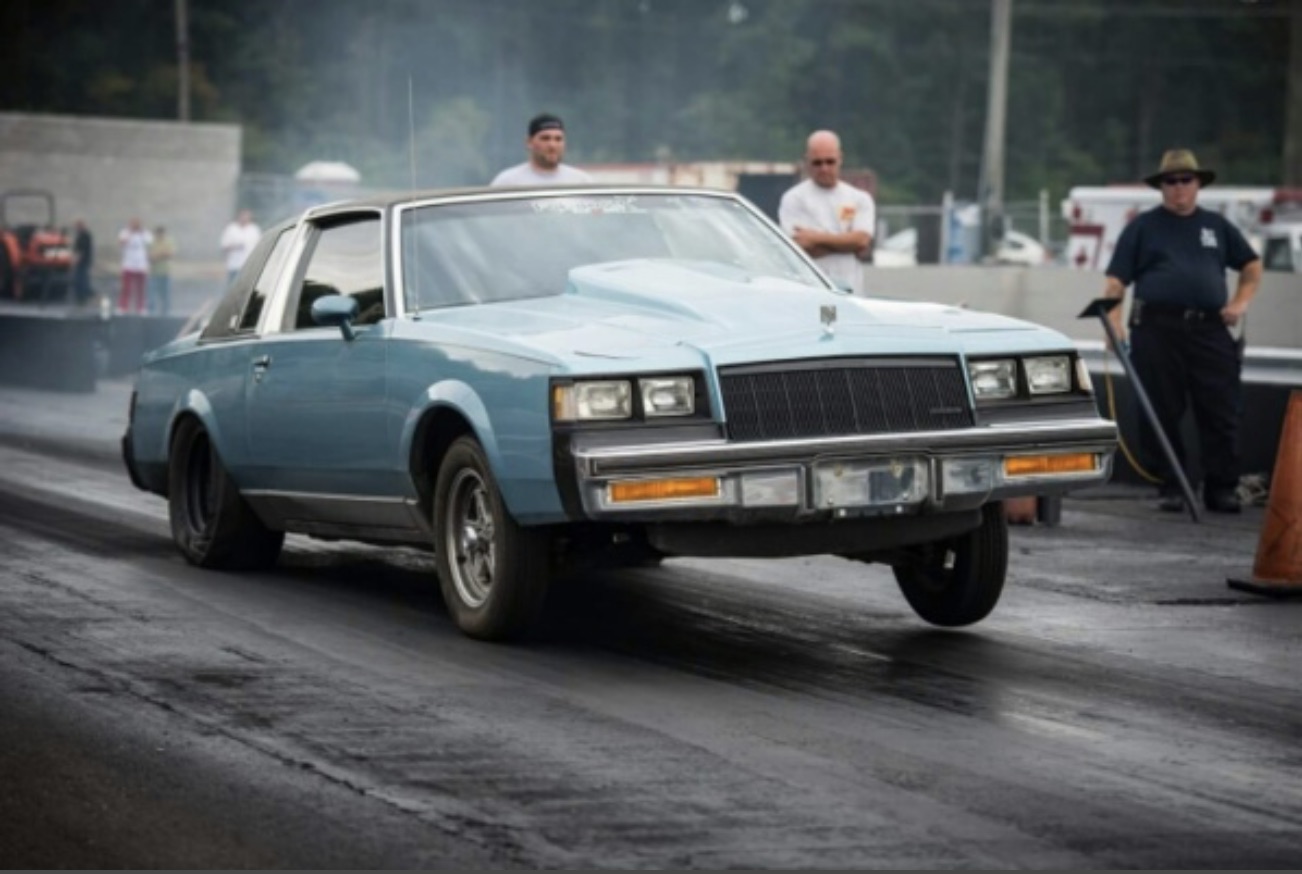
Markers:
{"x": 81, "y": 290}
{"x": 1185, "y": 357}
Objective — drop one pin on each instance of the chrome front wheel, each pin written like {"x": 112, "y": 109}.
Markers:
{"x": 492, "y": 571}
{"x": 471, "y": 531}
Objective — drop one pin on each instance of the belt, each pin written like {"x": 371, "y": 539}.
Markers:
{"x": 1144, "y": 309}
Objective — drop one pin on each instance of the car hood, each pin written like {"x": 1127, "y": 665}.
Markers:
{"x": 631, "y": 310}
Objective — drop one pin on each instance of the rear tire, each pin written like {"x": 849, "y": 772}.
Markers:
{"x": 958, "y": 581}
{"x": 492, "y": 571}
{"x": 212, "y": 524}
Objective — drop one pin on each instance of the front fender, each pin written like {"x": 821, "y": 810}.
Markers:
{"x": 460, "y": 398}
{"x": 517, "y": 444}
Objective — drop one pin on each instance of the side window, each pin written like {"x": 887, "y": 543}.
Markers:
{"x": 1278, "y": 255}
{"x": 347, "y": 259}
{"x": 265, "y": 283}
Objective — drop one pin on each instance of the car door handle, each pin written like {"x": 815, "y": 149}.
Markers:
{"x": 260, "y": 365}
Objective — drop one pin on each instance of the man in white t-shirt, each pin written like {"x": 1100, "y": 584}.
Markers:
{"x": 831, "y": 220}
{"x": 238, "y": 241}
{"x": 546, "y": 145}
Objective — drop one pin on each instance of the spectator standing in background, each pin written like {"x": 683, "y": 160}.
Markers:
{"x": 833, "y": 221}
{"x": 1176, "y": 255}
{"x": 83, "y": 256}
{"x": 546, "y": 145}
{"x": 134, "y": 242}
{"x": 238, "y": 241}
{"x": 161, "y": 253}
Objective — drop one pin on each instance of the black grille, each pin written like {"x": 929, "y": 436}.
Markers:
{"x": 839, "y": 398}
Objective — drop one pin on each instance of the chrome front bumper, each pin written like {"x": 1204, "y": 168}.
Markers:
{"x": 887, "y": 474}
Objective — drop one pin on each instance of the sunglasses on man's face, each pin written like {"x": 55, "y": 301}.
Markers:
{"x": 1177, "y": 180}
{"x": 822, "y": 162}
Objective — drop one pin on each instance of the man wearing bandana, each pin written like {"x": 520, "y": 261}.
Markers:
{"x": 546, "y": 145}
{"x": 831, "y": 220}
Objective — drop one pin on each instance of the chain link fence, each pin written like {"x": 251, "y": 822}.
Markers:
{"x": 949, "y": 232}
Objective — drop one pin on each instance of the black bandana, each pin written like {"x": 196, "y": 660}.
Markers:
{"x": 541, "y": 123}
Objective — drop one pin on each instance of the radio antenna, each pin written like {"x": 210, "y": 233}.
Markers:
{"x": 411, "y": 132}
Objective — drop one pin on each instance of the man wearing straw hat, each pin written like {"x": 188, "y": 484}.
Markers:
{"x": 1176, "y": 255}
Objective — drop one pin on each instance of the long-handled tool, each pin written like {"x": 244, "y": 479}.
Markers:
{"x": 1100, "y": 307}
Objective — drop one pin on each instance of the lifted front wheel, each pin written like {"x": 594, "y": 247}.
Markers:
{"x": 958, "y": 581}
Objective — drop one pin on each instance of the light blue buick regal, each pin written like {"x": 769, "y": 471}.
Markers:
{"x": 523, "y": 380}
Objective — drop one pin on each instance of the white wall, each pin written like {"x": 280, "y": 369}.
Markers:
{"x": 108, "y": 170}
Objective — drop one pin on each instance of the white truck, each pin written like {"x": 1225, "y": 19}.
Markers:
{"x": 1096, "y": 215}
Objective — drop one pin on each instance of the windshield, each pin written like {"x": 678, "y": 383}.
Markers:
{"x": 464, "y": 253}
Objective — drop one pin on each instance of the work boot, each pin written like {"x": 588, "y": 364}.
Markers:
{"x": 1221, "y": 500}
{"x": 1169, "y": 498}
{"x": 1171, "y": 502}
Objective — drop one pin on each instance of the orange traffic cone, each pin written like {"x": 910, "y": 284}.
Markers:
{"x": 1278, "y": 568}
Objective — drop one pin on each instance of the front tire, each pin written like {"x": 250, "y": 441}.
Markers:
{"x": 493, "y": 572}
{"x": 958, "y": 581}
{"x": 212, "y": 524}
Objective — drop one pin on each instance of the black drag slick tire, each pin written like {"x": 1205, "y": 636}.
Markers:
{"x": 958, "y": 581}
{"x": 492, "y": 572}
{"x": 212, "y": 524}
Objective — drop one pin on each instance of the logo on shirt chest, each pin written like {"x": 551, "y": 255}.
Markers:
{"x": 1209, "y": 238}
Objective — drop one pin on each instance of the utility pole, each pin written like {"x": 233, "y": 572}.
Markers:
{"x": 1293, "y": 101}
{"x": 182, "y": 62}
{"x": 991, "y": 188}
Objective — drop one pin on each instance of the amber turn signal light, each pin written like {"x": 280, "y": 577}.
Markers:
{"x": 663, "y": 489}
{"x": 1039, "y": 465}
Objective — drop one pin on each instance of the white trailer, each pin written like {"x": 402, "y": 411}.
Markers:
{"x": 1096, "y": 215}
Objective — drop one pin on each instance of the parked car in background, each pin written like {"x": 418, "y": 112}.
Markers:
{"x": 528, "y": 380}
{"x": 900, "y": 249}
{"x": 1019, "y": 248}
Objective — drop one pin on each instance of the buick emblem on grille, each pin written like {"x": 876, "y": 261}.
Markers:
{"x": 827, "y": 315}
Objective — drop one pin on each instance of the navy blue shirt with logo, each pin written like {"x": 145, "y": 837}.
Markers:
{"x": 1179, "y": 259}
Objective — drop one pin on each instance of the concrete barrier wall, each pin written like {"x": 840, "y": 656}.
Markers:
{"x": 1264, "y": 406}
{"x": 130, "y": 337}
{"x": 1053, "y": 296}
{"x": 104, "y": 170}
{"x": 52, "y": 353}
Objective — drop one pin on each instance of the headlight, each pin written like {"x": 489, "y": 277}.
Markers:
{"x": 668, "y": 396}
{"x": 1049, "y": 375}
{"x": 606, "y": 400}
{"x": 993, "y": 380}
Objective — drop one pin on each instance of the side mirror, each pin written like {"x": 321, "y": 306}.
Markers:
{"x": 336, "y": 309}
